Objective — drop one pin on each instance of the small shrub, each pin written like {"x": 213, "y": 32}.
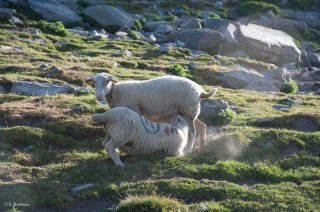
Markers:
{"x": 134, "y": 35}
{"x": 56, "y": 28}
{"x": 290, "y": 87}
{"x": 83, "y": 3}
{"x": 137, "y": 25}
{"x": 171, "y": 18}
{"x": 153, "y": 17}
{"x": 215, "y": 16}
{"x": 224, "y": 117}
{"x": 149, "y": 203}
{"x": 178, "y": 70}
{"x": 253, "y": 7}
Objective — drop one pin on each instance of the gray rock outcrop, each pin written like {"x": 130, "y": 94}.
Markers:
{"x": 54, "y": 11}
{"x": 268, "y": 44}
{"x": 199, "y": 39}
{"x": 241, "y": 78}
{"x": 107, "y": 15}
{"x": 41, "y": 89}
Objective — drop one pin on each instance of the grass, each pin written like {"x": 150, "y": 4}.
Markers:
{"x": 259, "y": 161}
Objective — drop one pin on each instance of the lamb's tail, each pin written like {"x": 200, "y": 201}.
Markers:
{"x": 101, "y": 118}
{"x": 204, "y": 94}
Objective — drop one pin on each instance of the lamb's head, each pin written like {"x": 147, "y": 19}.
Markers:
{"x": 103, "y": 84}
{"x": 180, "y": 122}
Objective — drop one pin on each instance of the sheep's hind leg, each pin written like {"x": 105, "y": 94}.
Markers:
{"x": 110, "y": 146}
{"x": 191, "y": 137}
{"x": 202, "y": 128}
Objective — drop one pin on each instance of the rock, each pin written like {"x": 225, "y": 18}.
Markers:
{"x": 6, "y": 48}
{"x": 123, "y": 53}
{"x": 165, "y": 48}
{"x": 237, "y": 53}
{"x": 287, "y": 102}
{"x": 81, "y": 188}
{"x": 241, "y": 78}
{"x": 102, "y": 31}
{"x": 37, "y": 41}
{"x": 278, "y": 75}
{"x": 180, "y": 44}
{"x": 268, "y": 44}
{"x": 210, "y": 108}
{"x": 79, "y": 109}
{"x": 41, "y": 89}
{"x": 164, "y": 29}
{"x": 216, "y": 24}
{"x": 6, "y": 13}
{"x": 262, "y": 86}
{"x": 18, "y": 48}
{"x": 121, "y": 34}
{"x": 311, "y": 18}
{"x": 109, "y": 16}
{"x": 14, "y": 20}
{"x": 281, "y": 107}
{"x": 229, "y": 32}
{"x": 80, "y": 32}
{"x": 43, "y": 66}
{"x": 199, "y": 39}
{"x": 93, "y": 33}
{"x": 115, "y": 64}
{"x": 192, "y": 23}
{"x": 292, "y": 27}
{"x": 54, "y": 71}
{"x": 2, "y": 90}
{"x": 150, "y": 38}
{"x": 54, "y": 11}
{"x": 151, "y": 26}
{"x": 33, "y": 31}
{"x": 314, "y": 58}
{"x": 193, "y": 66}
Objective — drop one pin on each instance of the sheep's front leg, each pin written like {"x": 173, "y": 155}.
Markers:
{"x": 110, "y": 146}
{"x": 202, "y": 129}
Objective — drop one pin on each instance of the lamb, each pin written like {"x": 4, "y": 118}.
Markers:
{"x": 131, "y": 133}
{"x": 157, "y": 100}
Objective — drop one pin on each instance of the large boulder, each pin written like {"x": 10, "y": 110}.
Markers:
{"x": 151, "y": 26}
{"x": 262, "y": 86}
{"x": 107, "y": 15}
{"x": 241, "y": 78}
{"x": 292, "y": 27}
{"x": 311, "y": 18}
{"x": 54, "y": 11}
{"x": 192, "y": 23}
{"x": 268, "y": 44}
{"x": 41, "y": 89}
{"x": 200, "y": 39}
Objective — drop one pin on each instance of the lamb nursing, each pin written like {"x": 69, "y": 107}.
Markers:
{"x": 131, "y": 133}
{"x": 158, "y": 99}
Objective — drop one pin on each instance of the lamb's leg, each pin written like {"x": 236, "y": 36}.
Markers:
{"x": 191, "y": 136}
{"x": 110, "y": 146}
{"x": 201, "y": 128}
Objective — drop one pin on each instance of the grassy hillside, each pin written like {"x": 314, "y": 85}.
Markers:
{"x": 264, "y": 159}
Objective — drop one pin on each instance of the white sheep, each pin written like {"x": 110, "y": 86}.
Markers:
{"x": 157, "y": 100}
{"x": 131, "y": 133}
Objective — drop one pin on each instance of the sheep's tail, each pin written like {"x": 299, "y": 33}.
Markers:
{"x": 101, "y": 118}
{"x": 204, "y": 94}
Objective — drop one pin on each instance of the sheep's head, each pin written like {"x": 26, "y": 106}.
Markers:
{"x": 103, "y": 84}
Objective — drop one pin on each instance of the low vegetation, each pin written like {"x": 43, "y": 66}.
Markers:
{"x": 256, "y": 158}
